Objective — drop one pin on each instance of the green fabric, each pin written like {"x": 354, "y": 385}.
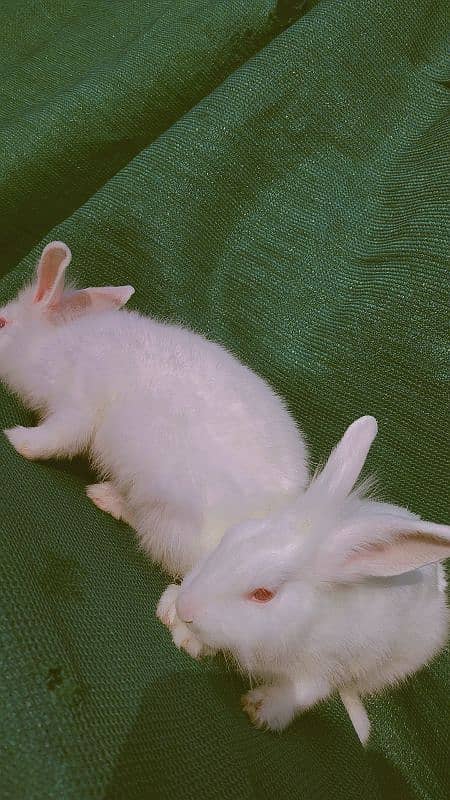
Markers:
{"x": 276, "y": 177}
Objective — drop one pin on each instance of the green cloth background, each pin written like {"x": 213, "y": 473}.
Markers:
{"x": 276, "y": 176}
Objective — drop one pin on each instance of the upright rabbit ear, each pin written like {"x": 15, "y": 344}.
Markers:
{"x": 346, "y": 461}
{"x": 53, "y": 263}
{"x": 383, "y": 545}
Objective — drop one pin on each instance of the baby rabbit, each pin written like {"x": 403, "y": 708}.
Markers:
{"x": 333, "y": 593}
{"x": 188, "y": 440}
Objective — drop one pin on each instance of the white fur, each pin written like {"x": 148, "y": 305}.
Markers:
{"x": 193, "y": 444}
{"x": 191, "y": 440}
{"x": 359, "y": 598}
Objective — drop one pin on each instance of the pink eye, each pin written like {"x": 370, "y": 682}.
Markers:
{"x": 262, "y": 595}
{"x": 3, "y": 322}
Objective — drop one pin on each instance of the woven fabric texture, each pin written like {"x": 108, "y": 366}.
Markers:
{"x": 274, "y": 175}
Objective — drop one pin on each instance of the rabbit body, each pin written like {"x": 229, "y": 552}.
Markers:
{"x": 333, "y": 593}
{"x": 189, "y": 438}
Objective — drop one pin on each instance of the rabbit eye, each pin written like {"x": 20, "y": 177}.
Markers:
{"x": 3, "y": 322}
{"x": 262, "y": 595}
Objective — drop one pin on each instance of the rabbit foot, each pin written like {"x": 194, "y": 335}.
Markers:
{"x": 106, "y": 497}
{"x": 270, "y": 707}
{"x": 183, "y": 636}
{"x": 22, "y": 439}
{"x": 166, "y": 610}
{"x": 186, "y": 640}
{"x": 59, "y": 435}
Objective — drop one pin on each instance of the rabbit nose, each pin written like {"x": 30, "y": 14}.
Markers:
{"x": 185, "y": 608}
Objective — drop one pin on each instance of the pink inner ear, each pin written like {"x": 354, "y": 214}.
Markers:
{"x": 51, "y": 261}
{"x": 404, "y": 553}
{"x": 103, "y": 298}
{"x": 109, "y": 297}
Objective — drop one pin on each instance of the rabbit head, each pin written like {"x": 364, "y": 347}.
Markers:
{"x": 45, "y": 303}
{"x": 269, "y": 582}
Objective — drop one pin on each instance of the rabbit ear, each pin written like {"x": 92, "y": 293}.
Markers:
{"x": 100, "y": 298}
{"x": 53, "y": 263}
{"x": 384, "y": 545}
{"x": 345, "y": 463}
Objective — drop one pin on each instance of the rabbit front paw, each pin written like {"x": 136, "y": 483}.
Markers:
{"x": 270, "y": 707}
{"x": 22, "y": 440}
{"x": 166, "y": 610}
{"x": 183, "y": 636}
{"x": 106, "y": 497}
{"x": 186, "y": 640}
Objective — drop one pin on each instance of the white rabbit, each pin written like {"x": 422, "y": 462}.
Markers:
{"x": 333, "y": 593}
{"x": 190, "y": 440}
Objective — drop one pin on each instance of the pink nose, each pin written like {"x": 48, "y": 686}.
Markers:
{"x": 185, "y": 608}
